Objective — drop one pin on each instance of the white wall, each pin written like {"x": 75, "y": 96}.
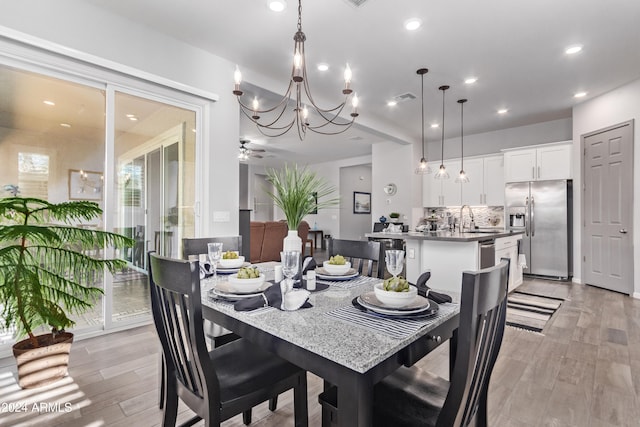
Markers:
{"x": 394, "y": 163}
{"x": 493, "y": 142}
{"x": 82, "y": 30}
{"x": 617, "y": 106}
{"x": 354, "y": 178}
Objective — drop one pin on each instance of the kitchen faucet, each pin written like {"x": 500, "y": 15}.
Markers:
{"x": 472, "y": 224}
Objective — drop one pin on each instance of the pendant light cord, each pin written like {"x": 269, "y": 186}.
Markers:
{"x": 422, "y": 96}
{"x": 462, "y": 133}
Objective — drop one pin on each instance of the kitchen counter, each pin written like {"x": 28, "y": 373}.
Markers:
{"x": 447, "y": 254}
{"x": 449, "y": 236}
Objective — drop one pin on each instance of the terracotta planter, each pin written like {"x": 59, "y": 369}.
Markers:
{"x": 45, "y": 364}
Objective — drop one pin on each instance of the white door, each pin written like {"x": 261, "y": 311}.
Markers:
{"x": 262, "y": 203}
{"x": 472, "y": 191}
{"x": 607, "y": 233}
{"x": 494, "y": 181}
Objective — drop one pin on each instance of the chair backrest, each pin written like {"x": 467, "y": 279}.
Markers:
{"x": 274, "y": 234}
{"x": 303, "y": 232}
{"x": 177, "y": 313}
{"x": 257, "y": 236}
{"x": 483, "y": 308}
{"x": 360, "y": 252}
{"x": 197, "y": 246}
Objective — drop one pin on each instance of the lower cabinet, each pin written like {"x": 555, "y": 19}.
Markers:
{"x": 507, "y": 247}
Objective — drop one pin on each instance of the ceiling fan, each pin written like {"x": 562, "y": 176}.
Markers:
{"x": 244, "y": 152}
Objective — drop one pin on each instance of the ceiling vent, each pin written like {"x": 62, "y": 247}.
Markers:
{"x": 404, "y": 97}
{"x": 356, "y": 3}
{"x": 356, "y": 138}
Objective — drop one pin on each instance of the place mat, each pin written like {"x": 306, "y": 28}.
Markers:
{"x": 395, "y": 328}
{"x": 348, "y": 284}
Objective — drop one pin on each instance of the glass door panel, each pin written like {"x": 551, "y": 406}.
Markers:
{"x": 154, "y": 158}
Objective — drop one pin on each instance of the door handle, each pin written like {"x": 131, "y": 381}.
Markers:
{"x": 533, "y": 224}
{"x": 623, "y": 231}
{"x": 539, "y": 172}
{"x": 526, "y": 217}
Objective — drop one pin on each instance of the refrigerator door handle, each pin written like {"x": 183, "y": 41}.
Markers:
{"x": 533, "y": 224}
{"x": 526, "y": 216}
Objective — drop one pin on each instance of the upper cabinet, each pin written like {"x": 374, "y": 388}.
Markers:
{"x": 544, "y": 162}
{"x": 486, "y": 181}
{"x": 441, "y": 192}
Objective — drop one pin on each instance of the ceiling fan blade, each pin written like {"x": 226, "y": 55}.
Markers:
{"x": 258, "y": 150}
{"x": 256, "y": 156}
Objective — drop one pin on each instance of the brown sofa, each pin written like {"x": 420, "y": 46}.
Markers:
{"x": 266, "y": 239}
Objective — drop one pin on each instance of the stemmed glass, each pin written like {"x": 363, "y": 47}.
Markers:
{"x": 215, "y": 253}
{"x": 394, "y": 260}
{"x": 290, "y": 265}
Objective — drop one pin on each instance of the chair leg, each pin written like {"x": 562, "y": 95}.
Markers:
{"x": 300, "y": 405}
{"x": 246, "y": 417}
{"x": 273, "y": 403}
{"x": 170, "y": 412}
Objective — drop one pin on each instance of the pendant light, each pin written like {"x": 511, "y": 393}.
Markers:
{"x": 423, "y": 167}
{"x": 462, "y": 177}
{"x": 442, "y": 171}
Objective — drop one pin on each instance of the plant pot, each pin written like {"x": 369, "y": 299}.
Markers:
{"x": 292, "y": 242}
{"x": 45, "y": 364}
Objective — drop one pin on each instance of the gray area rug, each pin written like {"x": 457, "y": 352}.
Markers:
{"x": 530, "y": 311}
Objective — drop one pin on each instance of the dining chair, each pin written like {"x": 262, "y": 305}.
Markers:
{"x": 361, "y": 253}
{"x": 197, "y": 246}
{"x": 412, "y": 396}
{"x": 217, "y": 384}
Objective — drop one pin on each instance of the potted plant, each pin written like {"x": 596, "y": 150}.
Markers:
{"x": 394, "y": 216}
{"x": 298, "y": 192}
{"x": 46, "y": 273}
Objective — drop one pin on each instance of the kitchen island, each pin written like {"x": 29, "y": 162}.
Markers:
{"x": 447, "y": 254}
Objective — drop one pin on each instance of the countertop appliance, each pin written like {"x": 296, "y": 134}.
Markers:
{"x": 543, "y": 210}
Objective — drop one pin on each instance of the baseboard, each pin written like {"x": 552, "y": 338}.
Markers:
{"x": 636, "y": 295}
{"x": 576, "y": 280}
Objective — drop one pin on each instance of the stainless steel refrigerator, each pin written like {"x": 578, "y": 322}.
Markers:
{"x": 543, "y": 210}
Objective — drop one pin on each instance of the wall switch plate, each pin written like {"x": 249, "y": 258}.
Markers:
{"x": 411, "y": 253}
{"x": 221, "y": 216}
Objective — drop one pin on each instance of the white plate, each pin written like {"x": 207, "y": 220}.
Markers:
{"x": 223, "y": 270}
{"x": 321, "y": 273}
{"x": 369, "y": 301}
{"x": 226, "y": 289}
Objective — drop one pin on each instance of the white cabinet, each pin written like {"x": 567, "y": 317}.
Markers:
{"x": 442, "y": 192}
{"x": 546, "y": 162}
{"x": 486, "y": 181}
{"x": 507, "y": 247}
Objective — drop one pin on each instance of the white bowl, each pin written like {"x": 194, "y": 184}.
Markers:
{"x": 336, "y": 269}
{"x": 395, "y": 299}
{"x": 232, "y": 262}
{"x": 246, "y": 285}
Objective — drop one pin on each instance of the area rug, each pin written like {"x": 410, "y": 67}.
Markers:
{"x": 529, "y": 311}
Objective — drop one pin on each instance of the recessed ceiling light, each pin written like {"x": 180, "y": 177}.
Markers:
{"x": 503, "y": 111}
{"x": 412, "y": 24}
{"x": 323, "y": 67}
{"x": 392, "y": 103}
{"x": 580, "y": 94}
{"x": 130, "y": 115}
{"x": 277, "y": 5}
{"x": 435, "y": 125}
{"x": 65, "y": 125}
{"x": 47, "y": 102}
{"x": 471, "y": 80}
{"x": 573, "y": 49}
{"x": 133, "y": 118}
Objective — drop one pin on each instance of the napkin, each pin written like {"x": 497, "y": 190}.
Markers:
{"x": 293, "y": 300}
{"x": 205, "y": 270}
{"x": 426, "y": 291}
{"x": 307, "y": 264}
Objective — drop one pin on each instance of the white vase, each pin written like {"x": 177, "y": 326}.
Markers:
{"x": 292, "y": 242}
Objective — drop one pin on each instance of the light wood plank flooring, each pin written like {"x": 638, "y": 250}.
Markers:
{"x": 583, "y": 370}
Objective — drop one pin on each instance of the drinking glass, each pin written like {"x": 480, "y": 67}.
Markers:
{"x": 394, "y": 260}
{"x": 215, "y": 253}
{"x": 290, "y": 265}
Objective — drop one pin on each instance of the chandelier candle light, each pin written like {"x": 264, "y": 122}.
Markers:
{"x": 277, "y": 123}
{"x": 462, "y": 177}
{"x": 423, "y": 168}
{"x": 442, "y": 171}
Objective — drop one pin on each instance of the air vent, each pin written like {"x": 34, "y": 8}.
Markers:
{"x": 404, "y": 97}
{"x": 356, "y": 138}
{"x": 356, "y": 3}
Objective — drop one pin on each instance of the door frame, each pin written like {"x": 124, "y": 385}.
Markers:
{"x": 583, "y": 235}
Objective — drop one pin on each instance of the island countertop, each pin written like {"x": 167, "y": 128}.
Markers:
{"x": 446, "y": 236}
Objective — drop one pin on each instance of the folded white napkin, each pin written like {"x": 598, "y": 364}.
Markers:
{"x": 294, "y": 299}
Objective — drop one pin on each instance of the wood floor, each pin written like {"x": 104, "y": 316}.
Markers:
{"x": 583, "y": 371}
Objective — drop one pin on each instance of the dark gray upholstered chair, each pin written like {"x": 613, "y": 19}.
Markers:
{"x": 413, "y": 397}
{"x": 360, "y": 253}
{"x": 220, "y": 384}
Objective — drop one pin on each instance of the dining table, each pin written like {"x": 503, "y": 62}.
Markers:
{"x": 346, "y": 346}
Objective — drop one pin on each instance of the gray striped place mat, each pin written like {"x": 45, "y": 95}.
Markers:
{"x": 395, "y": 328}
{"x": 348, "y": 284}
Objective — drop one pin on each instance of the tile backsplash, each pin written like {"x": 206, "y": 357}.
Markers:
{"x": 484, "y": 216}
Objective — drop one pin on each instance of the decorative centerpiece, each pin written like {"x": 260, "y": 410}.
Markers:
{"x": 298, "y": 192}
{"x": 394, "y": 216}
{"x": 47, "y": 270}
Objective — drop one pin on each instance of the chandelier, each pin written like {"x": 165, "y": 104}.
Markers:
{"x": 277, "y": 123}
